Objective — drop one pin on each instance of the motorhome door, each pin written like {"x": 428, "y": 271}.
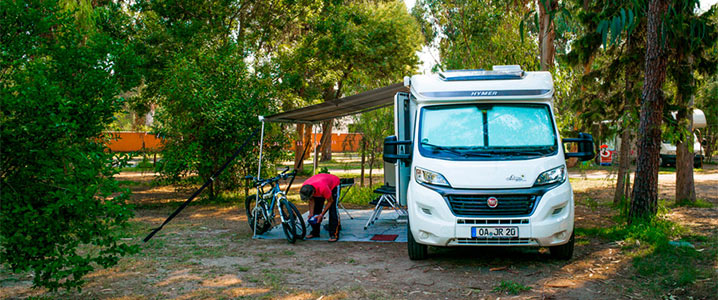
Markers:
{"x": 402, "y": 130}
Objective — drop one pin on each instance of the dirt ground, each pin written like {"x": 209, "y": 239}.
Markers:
{"x": 207, "y": 253}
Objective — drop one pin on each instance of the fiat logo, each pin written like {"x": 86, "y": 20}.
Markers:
{"x": 492, "y": 202}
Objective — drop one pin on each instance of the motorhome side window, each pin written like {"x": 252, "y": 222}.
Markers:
{"x": 487, "y": 132}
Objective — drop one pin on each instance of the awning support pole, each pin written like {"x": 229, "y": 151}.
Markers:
{"x": 316, "y": 146}
{"x": 259, "y": 175}
{"x": 261, "y": 143}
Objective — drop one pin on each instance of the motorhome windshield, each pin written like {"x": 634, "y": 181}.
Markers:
{"x": 487, "y": 131}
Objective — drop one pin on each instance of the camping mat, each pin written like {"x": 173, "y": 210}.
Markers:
{"x": 353, "y": 229}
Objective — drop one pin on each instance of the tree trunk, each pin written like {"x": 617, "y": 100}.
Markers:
{"x": 709, "y": 136}
{"x": 624, "y": 160}
{"x": 685, "y": 185}
{"x": 308, "y": 140}
{"x": 644, "y": 200}
{"x": 628, "y": 183}
{"x": 299, "y": 146}
{"x": 363, "y": 160}
{"x": 547, "y": 34}
{"x": 371, "y": 168}
{"x": 326, "y": 142}
{"x": 624, "y": 164}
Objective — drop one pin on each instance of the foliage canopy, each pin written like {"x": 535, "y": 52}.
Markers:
{"x": 60, "y": 205}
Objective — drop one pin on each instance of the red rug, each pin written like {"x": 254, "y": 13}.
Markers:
{"x": 384, "y": 237}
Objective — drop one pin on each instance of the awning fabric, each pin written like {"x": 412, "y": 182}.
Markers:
{"x": 350, "y": 105}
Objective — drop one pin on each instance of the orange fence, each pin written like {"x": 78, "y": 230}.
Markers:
{"x": 342, "y": 142}
{"x": 128, "y": 141}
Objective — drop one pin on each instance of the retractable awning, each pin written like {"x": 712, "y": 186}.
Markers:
{"x": 350, "y": 105}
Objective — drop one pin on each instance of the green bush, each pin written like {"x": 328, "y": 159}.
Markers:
{"x": 361, "y": 195}
{"x": 60, "y": 205}
{"x": 210, "y": 106}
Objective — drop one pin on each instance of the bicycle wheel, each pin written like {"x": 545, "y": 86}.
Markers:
{"x": 289, "y": 225}
{"x": 262, "y": 224}
{"x": 299, "y": 223}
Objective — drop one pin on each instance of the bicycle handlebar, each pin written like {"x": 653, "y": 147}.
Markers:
{"x": 283, "y": 175}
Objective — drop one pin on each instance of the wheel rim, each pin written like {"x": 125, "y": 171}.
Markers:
{"x": 288, "y": 223}
{"x": 256, "y": 215}
{"x": 299, "y": 228}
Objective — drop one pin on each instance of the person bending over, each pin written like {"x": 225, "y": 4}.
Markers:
{"x": 317, "y": 190}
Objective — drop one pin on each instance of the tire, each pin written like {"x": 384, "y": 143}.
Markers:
{"x": 565, "y": 251}
{"x": 300, "y": 225}
{"x": 289, "y": 225}
{"x": 262, "y": 224}
{"x": 416, "y": 251}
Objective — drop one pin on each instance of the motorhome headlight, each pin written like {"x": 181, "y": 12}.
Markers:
{"x": 430, "y": 177}
{"x": 554, "y": 175}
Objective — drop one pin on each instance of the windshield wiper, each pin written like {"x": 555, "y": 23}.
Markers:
{"x": 437, "y": 147}
{"x": 509, "y": 152}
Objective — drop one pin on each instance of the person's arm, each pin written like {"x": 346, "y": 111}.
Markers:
{"x": 311, "y": 207}
{"x": 327, "y": 205}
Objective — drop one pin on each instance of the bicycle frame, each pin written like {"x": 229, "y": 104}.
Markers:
{"x": 267, "y": 211}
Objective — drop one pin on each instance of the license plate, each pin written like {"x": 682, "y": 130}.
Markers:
{"x": 495, "y": 232}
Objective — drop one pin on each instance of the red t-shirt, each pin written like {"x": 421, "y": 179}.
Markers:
{"x": 323, "y": 184}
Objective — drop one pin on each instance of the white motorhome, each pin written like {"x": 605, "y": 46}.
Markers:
{"x": 479, "y": 161}
{"x": 668, "y": 149}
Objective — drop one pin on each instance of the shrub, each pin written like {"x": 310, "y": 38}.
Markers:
{"x": 60, "y": 205}
{"x": 209, "y": 106}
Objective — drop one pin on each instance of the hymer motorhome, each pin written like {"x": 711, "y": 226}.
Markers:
{"x": 479, "y": 161}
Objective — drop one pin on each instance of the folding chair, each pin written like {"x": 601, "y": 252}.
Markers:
{"x": 387, "y": 199}
{"x": 345, "y": 184}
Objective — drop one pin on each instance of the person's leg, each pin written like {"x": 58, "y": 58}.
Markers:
{"x": 334, "y": 220}
{"x": 317, "y": 209}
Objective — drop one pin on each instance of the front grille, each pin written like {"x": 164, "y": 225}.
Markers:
{"x": 495, "y": 241}
{"x": 492, "y": 221}
{"x": 509, "y": 205}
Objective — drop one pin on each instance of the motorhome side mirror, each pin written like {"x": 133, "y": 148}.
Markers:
{"x": 390, "y": 149}
{"x": 585, "y": 147}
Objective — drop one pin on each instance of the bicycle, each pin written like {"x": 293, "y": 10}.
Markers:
{"x": 260, "y": 208}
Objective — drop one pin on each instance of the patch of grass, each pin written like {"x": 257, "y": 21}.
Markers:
{"x": 661, "y": 265}
{"x": 133, "y": 229}
{"x": 145, "y": 165}
{"x": 590, "y": 166}
{"x": 594, "y": 204}
{"x": 510, "y": 287}
{"x": 211, "y": 252}
{"x": 700, "y": 203}
{"x": 664, "y": 266}
{"x": 223, "y": 198}
{"x": 582, "y": 242}
{"x": 288, "y": 252}
{"x": 655, "y": 231}
{"x": 242, "y": 269}
{"x": 137, "y": 169}
{"x": 128, "y": 183}
{"x": 269, "y": 277}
